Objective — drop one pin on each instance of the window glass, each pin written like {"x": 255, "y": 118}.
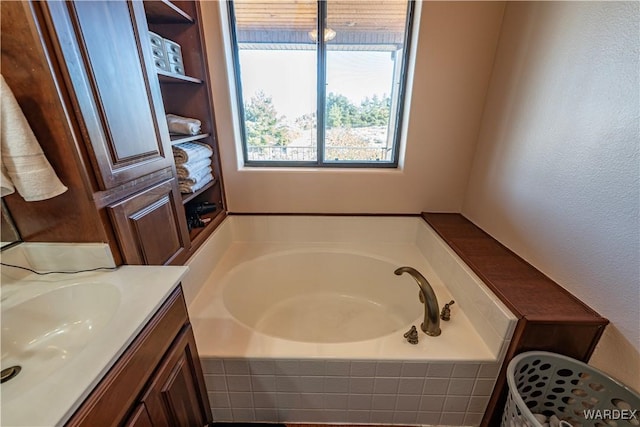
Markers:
{"x": 332, "y": 101}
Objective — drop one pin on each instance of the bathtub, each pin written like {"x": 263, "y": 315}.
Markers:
{"x": 301, "y": 319}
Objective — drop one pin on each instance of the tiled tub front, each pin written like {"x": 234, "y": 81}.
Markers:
{"x": 341, "y": 391}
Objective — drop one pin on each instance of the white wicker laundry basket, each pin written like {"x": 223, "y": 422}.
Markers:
{"x": 549, "y": 384}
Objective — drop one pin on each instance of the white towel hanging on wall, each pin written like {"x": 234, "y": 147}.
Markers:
{"x": 24, "y": 166}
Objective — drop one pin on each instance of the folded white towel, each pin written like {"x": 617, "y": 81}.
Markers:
{"x": 185, "y": 170}
{"x": 186, "y": 188}
{"x": 23, "y": 163}
{"x": 190, "y": 152}
{"x": 196, "y": 177}
{"x": 183, "y": 125}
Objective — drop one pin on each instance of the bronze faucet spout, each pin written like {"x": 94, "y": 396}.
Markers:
{"x": 431, "y": 323}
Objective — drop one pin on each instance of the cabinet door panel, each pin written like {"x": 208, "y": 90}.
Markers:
{"x": 139, "y": 418}
{"x": 149, "y": 225}
{"x": 106, "y": 53}
{"x": 177, "y": 395}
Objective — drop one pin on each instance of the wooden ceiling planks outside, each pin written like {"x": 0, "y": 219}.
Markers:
{"x": 300, "y": 15}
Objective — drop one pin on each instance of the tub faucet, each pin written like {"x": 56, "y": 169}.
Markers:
{"x": 431, "y": 323}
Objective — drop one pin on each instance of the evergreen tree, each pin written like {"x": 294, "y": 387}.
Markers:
{"x": 263, "y": 125}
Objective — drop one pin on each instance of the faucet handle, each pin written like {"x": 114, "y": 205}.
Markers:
{"x": 445, "y": 314}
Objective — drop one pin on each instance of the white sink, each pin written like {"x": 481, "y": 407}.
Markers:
{"x": 67, "y": 331}
{"x": 45, "y": 333}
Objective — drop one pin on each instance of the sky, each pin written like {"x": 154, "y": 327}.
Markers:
{"x": 289, "y": 76}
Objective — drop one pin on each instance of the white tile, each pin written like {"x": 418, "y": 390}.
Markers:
{"x": 261, "y": 367}
{"x": 465, "y": 370}
{"x": 460, "y": 386}
{"x": 287, "y": 383}
{"x": 440, "y": 370}
{"x": 452, "y": 418}
{"x": 478, "y": 404}
{"x": 265, "y": 400}
{"x": 266, "y": 415}
{"x": 239, "y": 382}
{"x": 311, "y": 384}
{"x": 236, "y": 367}
{"x": 381, "y": 417}
{"x": 240, "y": 399}
{"x": 222, "y": 414}
{"x": 215, "y": 382}
{"x": 384, "y": 402}
{"x": 243, "y": 415}
{"x": 410, "y": 385}
{"x": 288, "y": 400}
{"x": 411, "y": 369}
{"x": 336, "y": 385}
{"x": 435, "y": 386}
{"x": 337, "y": 367}
{"x": 385, "y": 385}
{"x": 361, "y": 385}
{"x": 407, "y": 402}
{"x": 359, "y": 401}
{"x": 363, "y": 369}
{"x": 287, "y": 367}
{"x": 431, "y": 403}
{"x": 428, "y": 418}
{"x": 334, "y": 416}
{"x": 489, "y": 370}
{"x": 263, "y": 383}
{"x": 455, "y": 403}
{"x": 218, "y": 399}
{"x": 358, "y": 417}
{"x": 211, "y": 366}
{"x": 408, "y": 417}
{"x": 483, "y": 387}
{"x": 311, "y": 401}
{"x": 388, "y": 369}
{"x": 311, "y": 367}
{"x": 473, "y": 419}
{"x": 335, "y": 401}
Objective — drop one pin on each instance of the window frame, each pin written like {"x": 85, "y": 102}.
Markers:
{"x": 321, "y": 74}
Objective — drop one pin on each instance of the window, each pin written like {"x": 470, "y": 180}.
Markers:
{"x": 334, "y": 100}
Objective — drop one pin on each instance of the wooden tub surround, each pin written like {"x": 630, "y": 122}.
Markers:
{"x": 549, "y": 317}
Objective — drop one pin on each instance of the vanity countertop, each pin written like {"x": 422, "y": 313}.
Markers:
{"x": 67, "y": 330}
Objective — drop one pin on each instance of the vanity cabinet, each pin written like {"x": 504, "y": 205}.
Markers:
{"x": 158, "y": 380}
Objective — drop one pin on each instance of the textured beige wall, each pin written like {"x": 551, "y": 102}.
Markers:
{"x": 556, "y": 173}
{"x": 455, "y": 48}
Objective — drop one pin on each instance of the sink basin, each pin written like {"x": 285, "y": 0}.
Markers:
{"x": 44, "y": 333}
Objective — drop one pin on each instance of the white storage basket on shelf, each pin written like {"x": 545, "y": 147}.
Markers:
{"x": 555, "y": 390}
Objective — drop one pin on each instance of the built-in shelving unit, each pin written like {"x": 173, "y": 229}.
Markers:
{"x": 167, "y": 77}
{"x": 189, "y": 96}
{"x": 179, "y": 139}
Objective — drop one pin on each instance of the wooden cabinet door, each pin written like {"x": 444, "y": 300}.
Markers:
{"x": 150, "y": 226}
{"x": 107, "y": 60}
{"x": 139, "y": 417}
{"x": 177, "y": 395}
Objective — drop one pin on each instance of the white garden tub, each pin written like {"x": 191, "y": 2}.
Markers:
{"x": 301, "y": 319}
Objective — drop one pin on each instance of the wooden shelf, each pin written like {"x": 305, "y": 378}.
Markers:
{"x": 187, "y": 197}
{"x": 179, "y": 139}
{"x": 167, "y": 77}
{"x": 197, "y": 235}
{"x": 165, "y": 12}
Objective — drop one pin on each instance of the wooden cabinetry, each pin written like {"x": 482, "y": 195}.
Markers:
{"x": 189, "y": 95}
{"x": 106, "y": 55}
{"x": 84, "y": 74}
{"x": 158, "y": 381}
{"x": 549, "y": 317}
